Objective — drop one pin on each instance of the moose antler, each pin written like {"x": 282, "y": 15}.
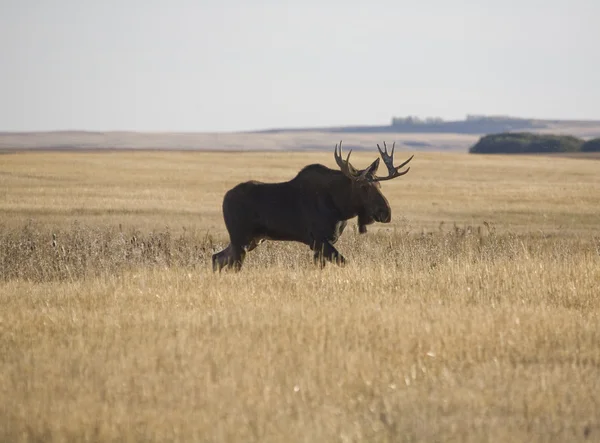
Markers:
{"x": 388, "y": 159}
{"x": 348, "y": 170}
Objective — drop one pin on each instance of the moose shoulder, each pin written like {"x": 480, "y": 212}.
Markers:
{"x": 312, "y": 208}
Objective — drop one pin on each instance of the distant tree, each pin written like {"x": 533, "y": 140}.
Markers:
{"x": 525, "y": 142}
{"x": 592, "y": 145}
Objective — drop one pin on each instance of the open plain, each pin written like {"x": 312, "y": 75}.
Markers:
{"x": 473, "y": 316}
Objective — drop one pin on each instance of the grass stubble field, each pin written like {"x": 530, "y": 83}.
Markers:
{"x": 473, "y": 316}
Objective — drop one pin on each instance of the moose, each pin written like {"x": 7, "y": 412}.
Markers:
{"x": 312, "y": 208}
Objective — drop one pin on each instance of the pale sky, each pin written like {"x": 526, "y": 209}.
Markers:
{"x": 230, "y": 65}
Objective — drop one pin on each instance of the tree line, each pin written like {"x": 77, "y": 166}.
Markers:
{"x": 526, "y": 142}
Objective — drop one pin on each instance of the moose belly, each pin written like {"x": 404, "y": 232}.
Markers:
{"x": 278, "y": 235}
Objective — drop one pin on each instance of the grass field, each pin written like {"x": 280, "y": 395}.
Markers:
{"x": 473, "y": 316}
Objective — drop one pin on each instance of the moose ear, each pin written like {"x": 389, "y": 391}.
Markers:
{"x": 372, "y": 169}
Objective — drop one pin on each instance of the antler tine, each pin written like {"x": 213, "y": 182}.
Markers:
{"x": 406, "y": 162}
{"x": 385, "y": 148}
{"x": 348, "y": 156}
{"x": 338, "y": 155}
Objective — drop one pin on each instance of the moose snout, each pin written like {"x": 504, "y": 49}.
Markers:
{"x": 384, "y": 216}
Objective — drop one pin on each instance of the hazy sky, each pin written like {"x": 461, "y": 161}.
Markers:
{"x": 209, "y": 65}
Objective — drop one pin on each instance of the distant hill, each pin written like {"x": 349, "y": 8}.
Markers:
{"x": 232, "y": 142}
{"x": 409, "y": 133}
{"x": 473, "y": 124}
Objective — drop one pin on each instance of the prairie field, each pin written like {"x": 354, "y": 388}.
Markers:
{"x": 473, "y": 316}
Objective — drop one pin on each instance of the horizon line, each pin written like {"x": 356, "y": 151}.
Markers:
{"x": 419, "y": 121}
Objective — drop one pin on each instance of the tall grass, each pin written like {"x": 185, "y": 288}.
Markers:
{"x": 36, "y": 254}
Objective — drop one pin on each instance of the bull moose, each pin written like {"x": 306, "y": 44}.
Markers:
{"x": 312, "y": 208}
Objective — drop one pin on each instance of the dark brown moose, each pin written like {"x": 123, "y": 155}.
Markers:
{"x": 312, "y": 208}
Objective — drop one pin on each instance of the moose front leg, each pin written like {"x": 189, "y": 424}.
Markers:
{"x": 326, "y": 251}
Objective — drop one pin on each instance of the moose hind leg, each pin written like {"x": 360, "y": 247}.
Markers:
{"x": 237, "y": 258}
{"x": 230, "y": 256}
{"x": 220, "y": 259}
{"x": 326, "y": 251}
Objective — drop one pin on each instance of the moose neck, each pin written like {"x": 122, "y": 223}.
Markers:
{"x": 345, "y": 198}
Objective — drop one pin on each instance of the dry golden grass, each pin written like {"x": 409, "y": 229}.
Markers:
{"x": 474, "y": 332}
